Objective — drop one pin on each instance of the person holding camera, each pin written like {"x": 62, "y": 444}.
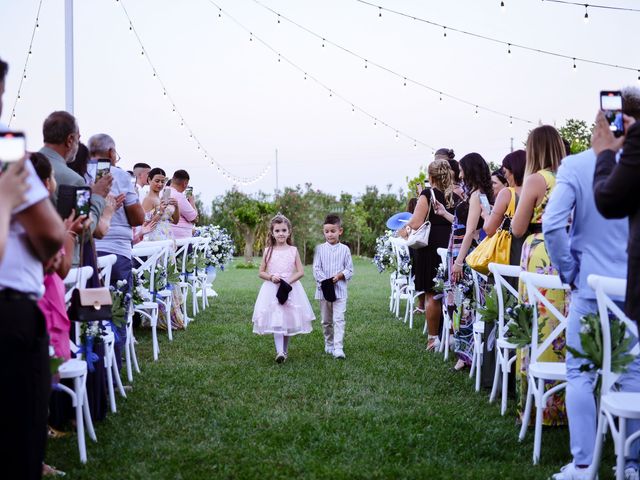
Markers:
{"x": 183, "y": 193}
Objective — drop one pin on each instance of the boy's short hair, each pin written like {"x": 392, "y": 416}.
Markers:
{"x": 332, "y": 219}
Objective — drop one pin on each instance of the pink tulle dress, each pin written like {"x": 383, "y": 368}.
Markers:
{"x": 295, "y": 316}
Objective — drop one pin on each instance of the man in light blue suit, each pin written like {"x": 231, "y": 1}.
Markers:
{"x": 595, "y": 245}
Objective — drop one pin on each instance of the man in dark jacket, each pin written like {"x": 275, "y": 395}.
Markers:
{"x": 616, "y": 186}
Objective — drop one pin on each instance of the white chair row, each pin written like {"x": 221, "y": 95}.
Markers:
{"x": 402, "y": 284}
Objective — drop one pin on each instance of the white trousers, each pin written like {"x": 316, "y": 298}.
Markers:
{"x": 333, "y": 322}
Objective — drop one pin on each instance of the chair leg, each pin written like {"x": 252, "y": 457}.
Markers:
{"x": 527, "y": 413}
{"x": 505, "y": 381}
{"x": 479, "y": 366}
{"x": 537, "y": 438}
{"x": 597, "y": 449}
{"x": 619, "y": 439}
{"x": 87, "y": 418}
{"x": 116, "y": 375}
{"x": 496, "y": 377}
{"x": 169, "y": 307}
{"x": 108, "y": 360}
{"x": 447, "y": 338}
{"x": 127, "y": 357}
{"x": 134, "y": 356}
{"x": 79, "y": 400}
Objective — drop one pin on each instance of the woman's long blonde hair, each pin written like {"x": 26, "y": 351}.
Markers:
{"x": 440, "y": 174}
{"x": 545, "y": 150}
{"x": 271, "y": 240}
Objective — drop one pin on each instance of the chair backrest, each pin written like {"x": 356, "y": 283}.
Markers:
{"x": 605, "y": 288}
{"x": 499, "y": 272}
{"x": 182, "y": 253}
{"x": 148, "y": 255}
{"x": 534, "y": 282}
{"x": 477, "y": 277}
{"x": 443, "y": 252}
{"x": 400, "y": 249}
{"x": 105, "y": 265}
{"x": 76, "y": 276}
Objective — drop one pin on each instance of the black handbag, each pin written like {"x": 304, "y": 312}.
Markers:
{"x": 88, "y": 304}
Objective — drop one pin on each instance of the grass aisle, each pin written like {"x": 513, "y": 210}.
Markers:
{"x": 216, "y": 405}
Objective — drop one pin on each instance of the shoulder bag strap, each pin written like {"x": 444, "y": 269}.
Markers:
{"x": 80, "y": 260}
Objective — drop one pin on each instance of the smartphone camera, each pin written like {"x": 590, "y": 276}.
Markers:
{"x": 188, "y": 192}
{"x": 104, "y": 167}
{"x": 13, "y": 147}
{"x": 83, "y": 201}
{"x": 611, "y": 106}
{"x": 165, "y": 194}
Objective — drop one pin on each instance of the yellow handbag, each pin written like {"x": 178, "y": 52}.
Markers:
{"x": 494, "y": 249}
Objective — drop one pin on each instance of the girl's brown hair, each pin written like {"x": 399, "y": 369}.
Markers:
{"x": 440, "y": 173}
{"x": 271, "y": 241}
{"x": 545, "y": 150}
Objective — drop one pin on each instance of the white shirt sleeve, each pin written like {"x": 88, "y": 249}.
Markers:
{"x": 36, "y": 192}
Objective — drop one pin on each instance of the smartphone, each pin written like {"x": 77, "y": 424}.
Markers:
{"x": 104, "y": 167}
{"x": 166, "y": 194}
{"x": 188, "y": 192}
{"x": 484, "y": 201}
{"x": 611, "y": 106}
{"x": 13, "y": 147}
{"x": 83, "y": 201}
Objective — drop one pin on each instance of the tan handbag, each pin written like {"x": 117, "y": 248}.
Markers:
{"x": 89, "y": 304}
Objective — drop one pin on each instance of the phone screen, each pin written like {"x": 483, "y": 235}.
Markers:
{"x": 188, "y": 192}
{"x": 83, "y": 201}
{"x": 166, "y": 194}
{"x": 484, "y": 201}
{"x": 12, "y": 147}
{"x": 611, "y": 106}
{"x": 104, "y": 166}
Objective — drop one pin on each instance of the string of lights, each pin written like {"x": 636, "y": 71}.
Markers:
{"x": 508, "y": 45}
{"x": 332, "y": 93}
{"x": 404, "y": 78}
{"x": 183, "y": 123}
{"x": 593, "y": 5}
{"x": 23, "y": 77}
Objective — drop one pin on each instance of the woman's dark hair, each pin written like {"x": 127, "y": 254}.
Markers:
{"x": 79, "y": 164}
{"x": 456, "y": 170}
{"x": 156, "y": 171}
{"x": 42, "y": 165}
{"x": 476, "y": 175}
{"x": 498, "y": 173}
{"x": 446, "y": 153}
{"x": 411, "y": 205}
{"x": 515, "y": 162}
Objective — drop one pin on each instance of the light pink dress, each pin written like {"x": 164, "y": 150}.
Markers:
{"x": 295, "y": 316}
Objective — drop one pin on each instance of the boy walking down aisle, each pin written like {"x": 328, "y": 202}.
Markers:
{"x": 332, "y": 269}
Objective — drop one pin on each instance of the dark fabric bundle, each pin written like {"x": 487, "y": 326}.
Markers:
{"x": 328, "y": 290}
{"x": 283, "y": 292}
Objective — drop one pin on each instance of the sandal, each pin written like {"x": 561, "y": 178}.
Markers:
{"x": 55, "y": 434}
{"x": 433, "y": 344}
{"x": 51, "y": 471}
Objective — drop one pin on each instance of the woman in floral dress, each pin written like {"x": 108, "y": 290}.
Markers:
{"x": 545, "y": 151}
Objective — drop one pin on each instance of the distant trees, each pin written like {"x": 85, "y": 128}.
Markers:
{"x": 577, "y": 133}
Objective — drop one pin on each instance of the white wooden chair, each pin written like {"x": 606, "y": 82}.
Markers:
{"x": 539, "y": 371}
{"x": 478, "y": 330}
{"x": 131, "y": 359}
{"x": 447, "y": 323}
{"x": 205, "y": 289}
{"x": 184, "y": 251}
{"x": 401, "y": 281}
{"x": 503, "y": 348}
{"x": 613, "y": 404}
{"x": 105, "y": 265}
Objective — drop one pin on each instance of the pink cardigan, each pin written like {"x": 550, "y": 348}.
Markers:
{"x": 55, "y": 313}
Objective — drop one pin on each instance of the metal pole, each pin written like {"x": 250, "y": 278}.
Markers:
{"x": 277, "y": 188}
{"x": 68, "y": 56}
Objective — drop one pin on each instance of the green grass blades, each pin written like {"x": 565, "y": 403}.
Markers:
{"x": 217, "y": 406}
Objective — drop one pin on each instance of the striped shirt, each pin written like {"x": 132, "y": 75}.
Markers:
{"x": 328, "y": 261}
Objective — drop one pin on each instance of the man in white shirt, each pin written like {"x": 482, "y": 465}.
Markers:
{"x": 36, "y": 233}
{"x": 141, "y": 172}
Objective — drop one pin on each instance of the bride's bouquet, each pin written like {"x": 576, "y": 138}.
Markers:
{"x": 220, "y": 249}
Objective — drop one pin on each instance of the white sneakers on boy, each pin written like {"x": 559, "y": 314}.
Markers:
{"x": 339, "y": 353}
{"x": 571, "y": 472}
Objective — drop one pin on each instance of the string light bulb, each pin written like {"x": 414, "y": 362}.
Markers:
{"x": 405, "y": 81}
{"x": 278, "y": 18}
{"x": 397, "y": 136}
{"x": 365, "y": 63}
{"x": 379, "y": 12}
{"x": 323, "y": 43}
{"x": 444, "y": 30}
{"x": 353, "y": 107}
{"x": 509, "y": 50}
{"x": 574, "y": 65}
{"x": 511, "y": 121}
{"x": 477, "y": 110}
{"x": 503, "y": 8}
{"x": 586, "y": 13}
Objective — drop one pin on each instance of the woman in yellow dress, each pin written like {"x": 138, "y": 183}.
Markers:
{"x": 545, "y": 150}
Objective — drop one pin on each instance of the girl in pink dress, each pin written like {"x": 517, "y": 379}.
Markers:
{"x": 281, "y": 265}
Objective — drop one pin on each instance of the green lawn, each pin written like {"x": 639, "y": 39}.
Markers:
{"x": 216, "y": 405}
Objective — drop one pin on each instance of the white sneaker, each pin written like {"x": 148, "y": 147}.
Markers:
{"x": 631, "y": 473}
{"x": 328, "y": 350}
{"x": 571, "y": 472}
{"x": 281, "y": 357}
{"x": 338, "y": 353}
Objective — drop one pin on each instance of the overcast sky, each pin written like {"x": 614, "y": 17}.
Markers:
{"x": 243, "y": 104}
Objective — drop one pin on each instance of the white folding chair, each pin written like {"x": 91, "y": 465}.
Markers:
{"x": 401, "y": 280}
{"x": 613, "y": 404}
{"x": 77, "y": 277}
{"x": 183, "y": 253}
{"x": 478, "y": 329}
{"x": 446, "y": 319}
{"x": 131, "y": 359}
{"x": 538, "y": 371}
{"x": 503, "y": 348}
{"x": 202, "y": 244}
{"x": 105, "y": 265}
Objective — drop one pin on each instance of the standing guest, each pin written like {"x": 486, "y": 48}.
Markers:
{"x": 466, "y": 222}
{"x": 141, "y": 172}
{"x": 449, "y": 155}
{"x": 593, "y": 245}
{"x": 36, "y": 233}
{"x": 545, "y": 151}
{"x": 186, "y": 205}
{"x": 426, "y": 260}
{"x": 118, "y": 238}
{"x": 13, "y": 187}
{"x": 281, "y": 311}
{"x": 332, "y": 264}
{"x": 81, "y": 162}
{"x": 498, "y": 181}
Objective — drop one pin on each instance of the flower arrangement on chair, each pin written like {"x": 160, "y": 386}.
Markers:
{"x": 219, "y": 250}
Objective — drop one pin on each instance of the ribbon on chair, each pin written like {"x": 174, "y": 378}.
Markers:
{"x": 114, "y": 329}
{"x": 90, "y": 356}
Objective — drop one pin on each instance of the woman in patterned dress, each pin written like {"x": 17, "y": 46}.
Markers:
{"x": 545, "y": 150}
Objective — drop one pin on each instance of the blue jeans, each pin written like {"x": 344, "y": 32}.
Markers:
{"x": 581, "y": 404}
{"x": 121, "y": 270}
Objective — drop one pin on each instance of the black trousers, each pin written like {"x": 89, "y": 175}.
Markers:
{"x": 25, "y": 381}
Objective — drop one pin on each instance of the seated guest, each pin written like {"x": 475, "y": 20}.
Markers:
{"x": 186, "y": 205}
